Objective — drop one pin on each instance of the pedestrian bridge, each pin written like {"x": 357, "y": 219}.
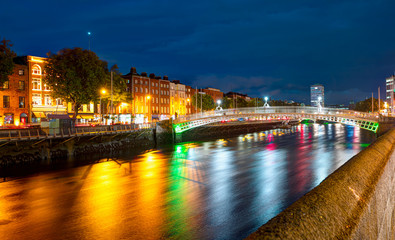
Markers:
{"x": 360, "y": 119}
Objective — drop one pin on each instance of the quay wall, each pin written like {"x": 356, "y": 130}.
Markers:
{"x": 357, "y": 201}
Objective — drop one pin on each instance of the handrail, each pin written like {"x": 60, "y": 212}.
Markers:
{"x": 278, "y": 109}
{"x": 40, "y": 133}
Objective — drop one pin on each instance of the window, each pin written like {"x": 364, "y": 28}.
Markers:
{"x": 153, "y": 91}
{"x": 128, "y": 81}
{"x": 47, "y": 100}
{"x": 8, "y": 118}
{"x": 36, "y": 70}
{"x": 21, "y": 85}
{"x": 146, "y": 90}
{"x": 46, "y": 87}
{"x": 141, "y": 98}
{"x": 136, "y": 89}
{"x": 21, "y": 72}
{"x": 59, "y": 101}
{"x": 6, "y": 85}
{"x": 153, "y": 84}
{"x": 36, "y": 84}
{"x": 21, "y": 102}
{"x": 141, "y": 89}
{"x": 36, "y": 99}
{"x": 6, "y": 101}
{"x": 141, "y": 81}
{"x": 136, "y": 81}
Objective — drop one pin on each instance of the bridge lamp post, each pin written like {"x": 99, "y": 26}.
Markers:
{"x": 319, "y": 104}
{"x": 266, "y": 104}
{"x": 219, "y": 108}
{"x": 102, "y": 92}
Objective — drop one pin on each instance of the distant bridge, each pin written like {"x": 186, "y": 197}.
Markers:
{"x": 360, "y": 119}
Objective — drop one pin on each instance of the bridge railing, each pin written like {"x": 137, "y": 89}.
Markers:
{"x": 277, "y": 110}
{"x": 39, "y": 133}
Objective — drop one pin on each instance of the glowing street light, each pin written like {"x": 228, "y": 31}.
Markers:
{"x": 89, "y": 41}
{"x": 102, "y": 92}
{"x": 219, "y": 108}
{"x": 266, "y": 104}
{"x": 149, "y": 106}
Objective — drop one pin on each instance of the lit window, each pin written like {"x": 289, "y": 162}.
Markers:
{"x": 6, "y": 85}
{"x": 21, "y": 72}
{"x": 6, "y": 101}
{"x": 21, "y": 102}
{"x": 36, "y": 70}
{"x": 36, "y": 84}
{"x": 21, "y": 85}
{"x": 48, "y": 100}
{"x": 46, "y": 87}
{"x": 36, "y": 99}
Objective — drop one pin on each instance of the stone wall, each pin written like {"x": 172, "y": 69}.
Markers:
{"x": 357, "y": 201}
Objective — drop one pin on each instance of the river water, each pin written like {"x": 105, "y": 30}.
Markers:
{"x": 220, "y": 189}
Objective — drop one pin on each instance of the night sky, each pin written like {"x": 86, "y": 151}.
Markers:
{"x": 261, "y": 48}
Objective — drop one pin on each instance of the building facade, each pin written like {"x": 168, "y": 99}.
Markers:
{"x": 216, "y": 94}
{"x": 14, "y": 95}
{"x": 389, "y": 91}
{"x": 317, "y": 93}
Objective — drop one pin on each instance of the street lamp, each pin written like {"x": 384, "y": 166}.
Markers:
{"x": 319, "y": 104}
{"x": 219, "y": 108}
{"x": 102, "y": 92}
{"x": 188, "y": 100}
{"x": 266, "y": 104}
{"x": 89, "y": 41}
{"x": 149, "y": 106}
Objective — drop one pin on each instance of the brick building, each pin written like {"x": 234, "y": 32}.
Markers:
{"x": 14, "y": 95}
{"x": 216, "y": 94}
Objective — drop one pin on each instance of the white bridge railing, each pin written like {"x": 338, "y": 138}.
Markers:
{"x": 280, "y": 109}
{"x": 363, "y": 120}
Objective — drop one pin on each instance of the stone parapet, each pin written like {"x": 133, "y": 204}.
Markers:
{"x": 357, "y": 201}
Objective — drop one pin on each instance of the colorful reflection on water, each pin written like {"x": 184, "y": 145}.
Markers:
{"x": 222, "y": 189}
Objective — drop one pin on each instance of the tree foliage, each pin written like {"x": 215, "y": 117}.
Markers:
{"x": 75, "y": 75}
{"x": 226, "y": 103}
{"x": 205, "y": 100}
{"x": 6, "y": 60}
{"x": 366, "y": 105}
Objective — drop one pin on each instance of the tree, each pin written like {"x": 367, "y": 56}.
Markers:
{"x": 205, "y": 100}
{"x": 366, "y": 105}
{"x": 119, "y": 93}
{"x": 226, "y": 103}
{"x": 75, "y": 75}
{"x": 6, "y": 61}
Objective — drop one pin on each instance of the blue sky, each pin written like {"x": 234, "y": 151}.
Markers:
{"x": 262, "y": 48}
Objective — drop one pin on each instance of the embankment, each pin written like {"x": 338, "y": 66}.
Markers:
{"x": 357, "y": 201}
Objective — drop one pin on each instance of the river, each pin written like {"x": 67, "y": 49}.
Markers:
{"x": 219, "y": 189}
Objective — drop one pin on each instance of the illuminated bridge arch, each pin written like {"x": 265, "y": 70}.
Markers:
{"x": 348, "y": 117}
